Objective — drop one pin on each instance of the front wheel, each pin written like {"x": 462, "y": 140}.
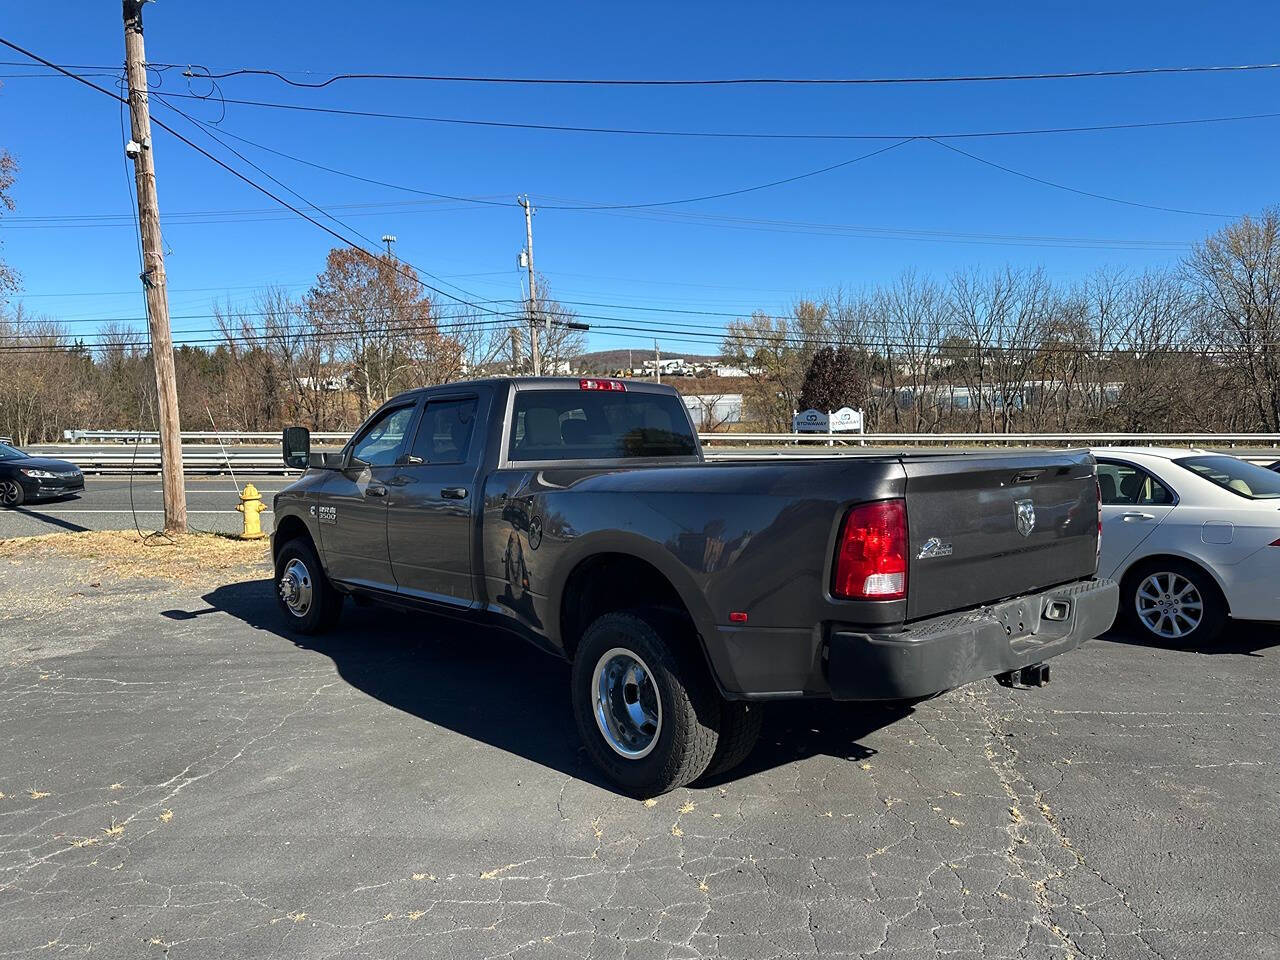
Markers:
{"x": 1174, "y": 602}
{"x": 646, "y": 709}
{"x": 11, "y": 493}
{"x": 306, "y": 597}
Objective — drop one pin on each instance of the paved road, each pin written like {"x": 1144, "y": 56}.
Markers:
{"x": 182, "y": 779}
{"x": 104, "y": 505}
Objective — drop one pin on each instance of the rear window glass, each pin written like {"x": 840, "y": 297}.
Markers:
{"x": 444, "y": 435}
{"x": 1241, "y": 478}
{"x": 598, "y": 425}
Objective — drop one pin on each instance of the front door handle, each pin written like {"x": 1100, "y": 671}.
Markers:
{"x": 454, "y": 493}
{"x": 1136, "y": 515}
{"x": 375, "y": 490}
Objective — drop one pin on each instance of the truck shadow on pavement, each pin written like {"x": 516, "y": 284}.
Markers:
{"x": 493, "y": 687}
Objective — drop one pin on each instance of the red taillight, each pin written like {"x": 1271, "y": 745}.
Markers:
{"x": 593, "y": 384}
{"x": 871, "y": 558}
{"x": 1275, "y": 543}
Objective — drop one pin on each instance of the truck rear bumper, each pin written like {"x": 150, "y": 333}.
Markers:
{"x": 929, "y": 656}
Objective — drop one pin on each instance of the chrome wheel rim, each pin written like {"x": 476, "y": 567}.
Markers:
{"x": 296, "y": 589}
{"x": 1169, "y": 605}
{"x": 628, "y": 708}
{"x": 9, "y": 493}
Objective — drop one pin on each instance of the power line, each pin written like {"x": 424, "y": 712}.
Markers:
{"x": 571, "y": 204}
{"x": 283, "y": 76}
{"x": 234, "y": 172}
{"x": 730, "y": 135}
{"x": 742, "y": 81}
{"x": 1083, "y": 193}
{"x": 630, "y": 206}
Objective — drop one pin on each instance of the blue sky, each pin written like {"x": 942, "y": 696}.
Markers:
{"x": 67, "y": 139}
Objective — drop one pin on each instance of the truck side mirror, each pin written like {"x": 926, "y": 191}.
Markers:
{"x": 296, "y": 443}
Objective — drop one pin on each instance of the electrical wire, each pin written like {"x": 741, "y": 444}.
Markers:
{"x": 239, "y": 175}
{"x": 729, "y": 135}
{"x": 692, "y": 82}
{"x": 1075, "y": 190}
{"x": 744, "y": 81}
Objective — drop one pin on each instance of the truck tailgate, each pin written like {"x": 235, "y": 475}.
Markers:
{"x": 989, "y": 526}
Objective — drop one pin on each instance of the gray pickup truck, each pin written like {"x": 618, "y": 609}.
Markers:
{"x": 581, "y": 514}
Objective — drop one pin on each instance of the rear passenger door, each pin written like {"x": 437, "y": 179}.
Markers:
{"x": 1134, "y": 502}
{"x": 431, "y": 501}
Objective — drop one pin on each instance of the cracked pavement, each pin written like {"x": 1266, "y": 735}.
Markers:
{"x": 180, "y": 778}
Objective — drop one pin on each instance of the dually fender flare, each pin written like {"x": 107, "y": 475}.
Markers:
{"x": 642, "y": 548}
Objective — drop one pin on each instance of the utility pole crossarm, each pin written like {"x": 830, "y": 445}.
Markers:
{"x": 154, "y": 282}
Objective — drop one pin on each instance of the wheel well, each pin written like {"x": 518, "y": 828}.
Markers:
{"x": 290, "y": 528}
{"x": 607, "y": 582}
{"x": 1155, "y": 560}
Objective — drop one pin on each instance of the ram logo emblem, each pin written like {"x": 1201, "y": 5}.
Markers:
{"x": 934, "y": 547}
{"x": 1024, "y": 512}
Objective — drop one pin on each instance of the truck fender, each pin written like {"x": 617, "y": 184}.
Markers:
{"x": 642, "y": 548}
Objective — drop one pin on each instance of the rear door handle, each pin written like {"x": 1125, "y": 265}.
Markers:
{"x": 454, "y": 493}
{"x": 375, "y": 490}
{"x": 1136, "y": 515}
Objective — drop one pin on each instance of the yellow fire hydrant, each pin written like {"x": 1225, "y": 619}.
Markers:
{"x": 251, "y": 506}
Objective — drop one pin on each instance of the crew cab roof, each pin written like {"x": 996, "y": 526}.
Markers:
{"x": 538, "y": 383}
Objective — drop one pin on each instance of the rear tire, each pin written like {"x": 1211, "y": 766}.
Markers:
{"x": 646, "y": 709}
{"x": 307, "y": 599}
{"x": 12, "y": 494}
{"x": 739, "y": 730}
{"x": 1173, "y": 602}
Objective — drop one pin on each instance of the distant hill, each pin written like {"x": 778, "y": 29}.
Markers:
{"x": 603, "y": 361}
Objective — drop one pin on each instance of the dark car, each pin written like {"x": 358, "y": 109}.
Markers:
{"x": 24, "y": 478}
{"x": 582, "y": 515}
{"x": 1274, "y": 466}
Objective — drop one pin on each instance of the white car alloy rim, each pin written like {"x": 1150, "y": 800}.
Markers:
{"x": 1169, "y": 605}
{"x": 626, "y": 703}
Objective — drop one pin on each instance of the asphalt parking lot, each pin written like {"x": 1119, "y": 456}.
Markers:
{"x": 181, "y": 778}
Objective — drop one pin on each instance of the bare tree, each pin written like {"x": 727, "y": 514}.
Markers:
{"x": 1237, "y": 272}
{"x": 8, "y": 172}
{"x": 383, "y": 326}
{"x": 774, "y": 352}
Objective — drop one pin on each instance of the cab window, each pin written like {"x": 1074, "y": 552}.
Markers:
{"x": 1127, "y": 485}
{"x": 379, "y": 443}
{"x": 444, "y": 436}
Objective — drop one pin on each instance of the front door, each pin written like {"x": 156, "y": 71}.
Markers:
{"x": 1133, "y": 504}
{"x": 351, "y": 507}
{"x": 431, "y": 498}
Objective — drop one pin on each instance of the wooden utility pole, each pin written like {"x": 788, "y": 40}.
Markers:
{"x": 533, "y": 287}
{"x": 153, "y": 277}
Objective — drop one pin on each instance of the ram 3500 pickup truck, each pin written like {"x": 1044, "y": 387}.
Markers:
{"x": 581, "y": 514}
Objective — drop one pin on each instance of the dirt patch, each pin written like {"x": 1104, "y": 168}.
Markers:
{"x": 115, "y": 555}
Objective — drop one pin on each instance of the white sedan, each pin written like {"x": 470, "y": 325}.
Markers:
{"x": 1193, "y": 538}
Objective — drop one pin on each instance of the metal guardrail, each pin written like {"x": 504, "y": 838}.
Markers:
{"x": 188, "y": 436}
{"x": 1004, "y": 439}
{"x": 871, "y": 439}
{"x": 219, "y": 459}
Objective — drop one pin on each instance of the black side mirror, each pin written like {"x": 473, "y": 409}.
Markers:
{"x": 296, "y": 443}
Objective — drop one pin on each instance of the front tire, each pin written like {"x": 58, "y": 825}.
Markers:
{"x": 12, "y": 494}
{"x": 1174, "y": 602}
{"x": 646, "y": 709}
{"x": 307, "y": 599}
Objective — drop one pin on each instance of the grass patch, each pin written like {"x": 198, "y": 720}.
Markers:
{"x": 123, "y": 555}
